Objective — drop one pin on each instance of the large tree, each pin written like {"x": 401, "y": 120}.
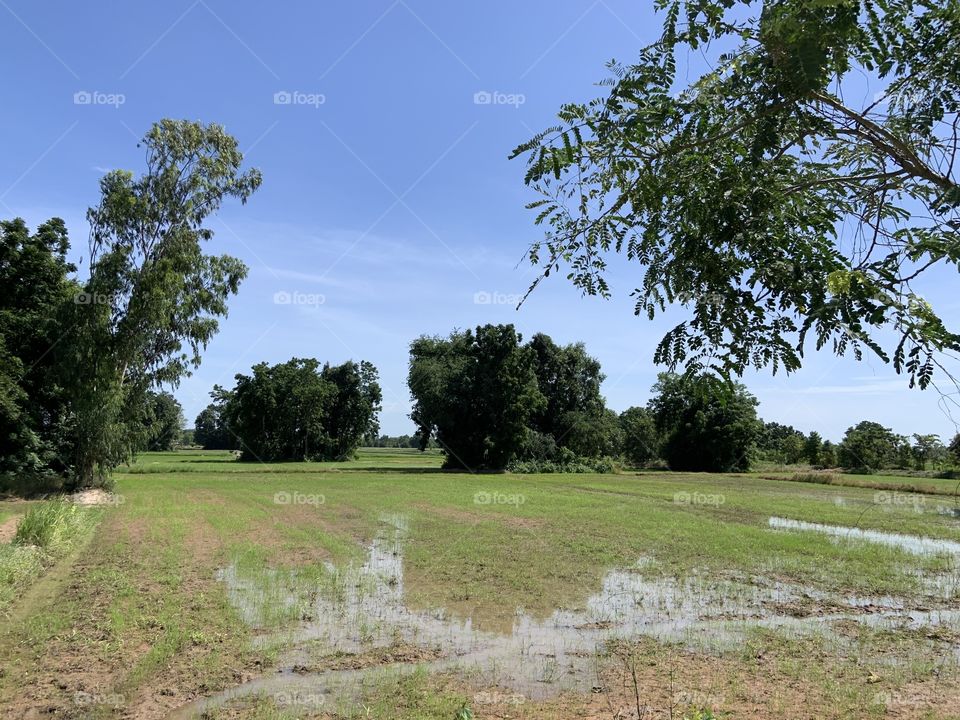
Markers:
{"x": 707, "y": 425}
{"x": 799, "y": 187}
{"x": 641, "y": 441}
{"x": 35, "y": 277}
{"x": 476, "y": 392}
{"x": 299, "y": 411}
{"x": 869, "y": 446}
{"x": 153, "y": 297}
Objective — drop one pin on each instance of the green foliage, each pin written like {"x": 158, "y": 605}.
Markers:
{"x": 812, "y": 448}
{"x": 641, "y": 440}
{"x": 569, "y": 379}
{"x": 153, "y": 295}
{"x": 164, "y": 426}
{"x": 954, "y": 449}
{"x": 34, "y": 275}
{"x": 707, "y": 425}
{"x": 867, "y": 447}
{"x": 298, "y": 411}
{"x": 210, "y": 427}
{"x": 928, "y": 450}
{"x": 476, "y": 392}
{"x": 730, "y": 190}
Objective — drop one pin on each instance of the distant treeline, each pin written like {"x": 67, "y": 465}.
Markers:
{"x": 490, "y": 401}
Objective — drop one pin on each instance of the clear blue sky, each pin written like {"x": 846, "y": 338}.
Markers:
{"x": 387, "y": 191}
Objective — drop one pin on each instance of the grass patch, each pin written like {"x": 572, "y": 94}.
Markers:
{"x": 47, "y": 532}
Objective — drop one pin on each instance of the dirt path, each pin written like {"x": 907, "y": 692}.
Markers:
{"x": 8, "y": 528}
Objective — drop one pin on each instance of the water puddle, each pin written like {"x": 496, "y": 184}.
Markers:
{"x": 361, "y": 608}
{"x": 911, "y": 543}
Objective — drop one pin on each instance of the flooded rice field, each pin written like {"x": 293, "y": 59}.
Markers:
{"x": 361, "y": 607}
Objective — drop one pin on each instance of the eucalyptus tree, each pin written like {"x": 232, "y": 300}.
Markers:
{"x": 779, "y": 198}
{"x": 153, "y": 297}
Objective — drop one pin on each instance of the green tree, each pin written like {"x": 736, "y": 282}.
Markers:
{"x": 35, "y": 277}
{"x": 707, "y": 424}
{"x": 476, "y": 392}
{"x": 353, "y": 408}
{"x": 828, "y": 455}
{"x": 928, "y": 450}
{"x": 210, "y": 428}
{"x": 164, "y": 427}
{"x": 570, "y": 381}
{"x": 867, "y": 447}
{"x": 731, "y": 189}
{"x": 641, "y": 441}
{"x": 954, "y": 449}
{"x": 812, "y": 448}
{"x": 153, "y": 298}
{"x": 792, "y": 449}
{"x": 299, "y": 411}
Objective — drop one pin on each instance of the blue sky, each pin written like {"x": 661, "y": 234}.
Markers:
{"x": 388, "y": 207}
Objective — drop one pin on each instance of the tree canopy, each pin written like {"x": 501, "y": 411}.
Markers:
{"x": 707, "y": 425}
{"x": 299, "y": 411}
{"x": 773, "y": 195}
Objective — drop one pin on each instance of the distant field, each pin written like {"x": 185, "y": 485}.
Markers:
{"x": 208, "y": 573}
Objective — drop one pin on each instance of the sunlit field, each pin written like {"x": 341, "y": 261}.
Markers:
{"x": 387, "y": 587}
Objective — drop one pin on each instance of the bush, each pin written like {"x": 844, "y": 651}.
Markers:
{"x": 565, "y": 462}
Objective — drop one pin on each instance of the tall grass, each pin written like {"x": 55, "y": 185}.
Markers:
{"x": 45, "y": 533}
{"x": 51, "y": 526}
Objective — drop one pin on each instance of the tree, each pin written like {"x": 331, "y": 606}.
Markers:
{"x": 792, "y": 449}
{"x": 299, "y": 411}
{"x": 590, "y": 436}
{"x": 352, "y": 411}
{"x": 954, "y": 448}
{"x": 164, "y": 427}
{"x": 707, "y": 424}
{"x": 813, "y": 447}
{"x": 828, "y": 455}
{"x": 210, "y": 427}
{"x": 868, "y": 446}
{"x": 641, "y": 442}
{"x": 35, "y": 277}
{"x": 731, "y": 192}
{"x": 476, "y": 392}
{"x": 153, "y": 297}
{"x": 928, "y": 449}
{"x": 569, "y": 380}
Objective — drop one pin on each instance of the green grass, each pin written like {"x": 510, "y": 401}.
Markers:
{"x": 147, "y": 604}
{"x": 47, "y": 532}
